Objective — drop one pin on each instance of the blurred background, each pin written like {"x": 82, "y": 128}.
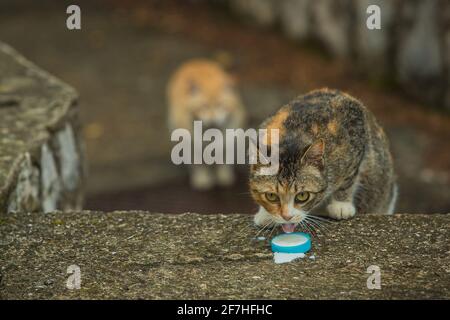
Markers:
{"x": 121, "y": 59}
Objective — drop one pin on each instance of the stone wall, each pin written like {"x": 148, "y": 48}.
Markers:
{"x": 412, "y": 46}
{"x": 41, "y": 158}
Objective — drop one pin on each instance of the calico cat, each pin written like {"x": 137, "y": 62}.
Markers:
{"x": 332, "y": 153}
{"x": 202, "y": 90}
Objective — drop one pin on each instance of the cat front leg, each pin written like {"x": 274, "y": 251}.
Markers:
{"x": 341, "y": 206}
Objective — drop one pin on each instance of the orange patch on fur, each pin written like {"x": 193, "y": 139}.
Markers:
{"x": 276, "y": 123}
{"x": 332, "y": 126}
{"x": 315, "y": 128}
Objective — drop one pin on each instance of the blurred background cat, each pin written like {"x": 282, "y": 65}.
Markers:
{"x": 200, "y": 90}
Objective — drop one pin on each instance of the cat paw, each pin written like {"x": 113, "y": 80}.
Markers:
{"x": 262, "y": 217}
{"x": 202, "y": 179}
{"x": 225, "y": 176}
{"x": 341, "y": 210}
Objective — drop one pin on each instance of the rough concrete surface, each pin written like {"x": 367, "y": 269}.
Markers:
{"x": 143, "y": 255}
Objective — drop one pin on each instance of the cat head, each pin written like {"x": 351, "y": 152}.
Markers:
{"x": 212, "y": 101}
{"x": 299, "y": 185}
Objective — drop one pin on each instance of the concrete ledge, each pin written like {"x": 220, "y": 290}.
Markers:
{"x": 144, "y": 255}
{"x": 41, "y": 158}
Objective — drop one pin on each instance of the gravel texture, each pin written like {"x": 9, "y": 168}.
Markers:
{"x": 154, "y": 256}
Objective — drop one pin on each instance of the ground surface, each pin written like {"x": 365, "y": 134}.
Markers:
{"x": 120, "y": 63}
{"x": 143, "y": 255}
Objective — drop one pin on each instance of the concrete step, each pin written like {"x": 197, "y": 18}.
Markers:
{"x": 145, "y": 255}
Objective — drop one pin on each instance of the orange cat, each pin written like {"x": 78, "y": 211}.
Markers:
{"x": 202, "y": 90}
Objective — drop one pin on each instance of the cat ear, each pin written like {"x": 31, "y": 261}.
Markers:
{"x": 314, "y": 154}
{"x": 258, "y": 159}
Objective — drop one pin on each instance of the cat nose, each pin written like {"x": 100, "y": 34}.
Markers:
{"x": 286, "y": 216}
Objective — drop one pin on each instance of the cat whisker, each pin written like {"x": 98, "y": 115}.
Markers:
{"x": 268, "y": 232}
{"x": 314, "y": 226}
{"x": 303, "y": 226}
{"x": 319, "y": 218}
{"x": 273, "y": 228}
{"x": 250, "y": 226}
{"x": 317, "y": 225}
{"x": 245, "y": 228}
{"x": 264, "y": 227}
{"x": 315, "y": 222}
{"x": 310, "y": 228}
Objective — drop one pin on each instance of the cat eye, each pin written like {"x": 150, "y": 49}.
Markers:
{"x": 302, "y": 197}
{"x": 272, "y": 197}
